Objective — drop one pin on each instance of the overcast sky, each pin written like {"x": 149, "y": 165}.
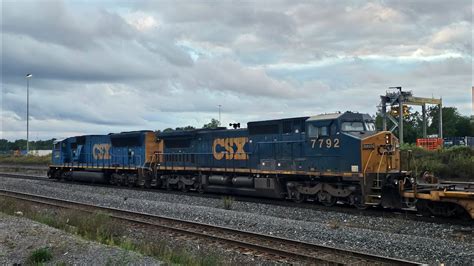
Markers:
{"x": 111, "y": 66}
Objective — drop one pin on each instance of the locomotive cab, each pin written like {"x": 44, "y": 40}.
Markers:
{"x": 333, "y": 142}
{"x": 352, "y": 160}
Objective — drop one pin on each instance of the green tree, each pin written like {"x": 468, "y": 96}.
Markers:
{"x": 185, "y": 128}
{"x": 213, "y": 124}
{"x": 454, "y": 124}
{"x": 464, "y": 127}
{"x": 412, "y": 126}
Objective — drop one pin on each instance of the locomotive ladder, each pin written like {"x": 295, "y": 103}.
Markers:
{"x": 375, "y": 192}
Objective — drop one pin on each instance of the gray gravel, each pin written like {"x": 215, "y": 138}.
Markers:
{"x": 19, "y": 237}
{"x": 395, "y": 237}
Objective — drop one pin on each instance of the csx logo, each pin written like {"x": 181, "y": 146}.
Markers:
{"x": 230, "y": 148}
{"x": 101, "y": 151}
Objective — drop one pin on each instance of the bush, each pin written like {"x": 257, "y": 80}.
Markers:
{"x": 451, "y": 163}
{"x": 40, "y": 255}
{"x": 39, "y": 160}
{"x": 228, "y": 201}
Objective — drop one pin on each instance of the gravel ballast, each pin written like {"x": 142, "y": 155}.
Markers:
{"x": 20, "y": 237}
{"x": 394, "y": 237}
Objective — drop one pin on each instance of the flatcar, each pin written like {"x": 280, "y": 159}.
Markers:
{"x": 326, "y": 158}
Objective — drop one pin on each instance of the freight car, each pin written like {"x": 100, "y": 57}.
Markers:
{"x": 327, "y": 158}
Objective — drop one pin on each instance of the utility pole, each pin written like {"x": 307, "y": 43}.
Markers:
{"x": 400, "y": 117}
{"x": 28, "y": 76}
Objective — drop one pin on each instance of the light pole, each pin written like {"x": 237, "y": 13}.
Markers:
{"x": 220, "y": 113}
{"x": 28, "y": 76}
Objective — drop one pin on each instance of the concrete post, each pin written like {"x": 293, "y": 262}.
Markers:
{"x": 400, "y": 118}
{"x": 384, "y": 113}
{"x": 423, "y": 110}
{"x": 440, "y": 130}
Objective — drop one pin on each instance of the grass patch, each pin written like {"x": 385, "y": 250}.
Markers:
{"x": 228, "y": 201}
{"x": 27, "y": 159}
{"x": 102, "y": 228}
{"x": 39, "y": 256}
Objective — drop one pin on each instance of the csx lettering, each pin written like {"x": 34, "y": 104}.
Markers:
{"x": 101, "y": 151}
{"x": 230, "y": 148}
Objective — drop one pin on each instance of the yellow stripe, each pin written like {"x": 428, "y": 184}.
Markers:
{"x": 236, "y": 170}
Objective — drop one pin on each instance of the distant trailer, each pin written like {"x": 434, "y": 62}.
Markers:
{"x": 458, "y": 141}
{"x": 430, "y": 143}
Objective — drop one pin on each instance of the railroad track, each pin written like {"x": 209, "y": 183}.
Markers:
{"x": 410, "y": 214}
{"x": 271, "y": 247}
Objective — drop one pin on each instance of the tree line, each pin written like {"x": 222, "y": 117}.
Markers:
{"x": 454, "y": 125}
{"x": 20, "y": 144}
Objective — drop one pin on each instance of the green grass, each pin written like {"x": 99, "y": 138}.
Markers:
{"x": 102, "y": 228}
{"x": 27, "y": 160}
{"x": 228, "y": 201}
{"x": 39, "y": 256}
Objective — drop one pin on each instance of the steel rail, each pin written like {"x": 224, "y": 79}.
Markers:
{"x": 280, "y": 249}
{"x": 408, "y": 214}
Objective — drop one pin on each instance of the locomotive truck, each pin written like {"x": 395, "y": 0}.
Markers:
{"x": 326, "y": 158}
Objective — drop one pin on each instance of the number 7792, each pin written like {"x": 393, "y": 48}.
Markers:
{"x": 325, "y": 143}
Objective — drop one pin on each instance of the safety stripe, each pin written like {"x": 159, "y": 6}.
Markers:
{"x": 233, "y": 170}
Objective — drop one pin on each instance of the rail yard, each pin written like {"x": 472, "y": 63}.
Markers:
{"x": 410, "y": 240}
{"x": 326, "y": 189}
{"x": 205, "y": 133}
{"x": 325, "y": 158}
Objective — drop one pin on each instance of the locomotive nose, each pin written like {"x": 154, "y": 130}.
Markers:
{"x": 379, "y": 153}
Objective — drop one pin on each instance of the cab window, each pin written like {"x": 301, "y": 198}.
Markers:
{"x": 324, "y": 131}
{"x": 316, "y": 132}
{"x": 333, "y": 129}
{"x": 369, "y": 126}
{"x": 313, "y": 131}
{"x": 352, "y": 126}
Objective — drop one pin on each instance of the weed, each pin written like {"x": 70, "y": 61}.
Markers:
{"x": 450, "y": 163}
{"x": 228, "y": 201}
{"x": 40, "y": 255}
{"x": 7, "y": 206}
{"x": 127, "y": 244}
{"x": 333, "y": 224}
{"x": 102, "y": 228}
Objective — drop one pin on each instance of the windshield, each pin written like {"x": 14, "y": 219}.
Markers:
{"x": 370, "y": 126}
{"x": 352, "y": 126}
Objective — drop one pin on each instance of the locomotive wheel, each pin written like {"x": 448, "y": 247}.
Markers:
{"x": 356, "y": 201}
{"x": 360, "y": 206}
{"x": 298, "y": 197}
{"x": 141, "y": 182}
{"x": 148, "y": 183}
{"x": 200, "y": 189}
{"x": 326, "y": 199}
{"x": 182, "y": 186}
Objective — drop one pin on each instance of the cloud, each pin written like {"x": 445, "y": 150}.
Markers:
{"x": 103, "y": 67}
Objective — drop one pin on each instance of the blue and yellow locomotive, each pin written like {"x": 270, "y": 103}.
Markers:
{"x": 328, "y": 158}
{"x": 325, "y": 158}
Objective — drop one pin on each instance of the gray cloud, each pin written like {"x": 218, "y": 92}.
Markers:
{"x": 102, "y": 66}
